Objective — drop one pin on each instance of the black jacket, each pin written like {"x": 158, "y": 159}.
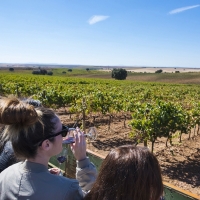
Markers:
{"x": 7, "y": 156}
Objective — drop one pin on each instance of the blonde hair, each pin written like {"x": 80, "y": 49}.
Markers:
{"x": 17, "y": 114}
{"x": 25, "y": 125}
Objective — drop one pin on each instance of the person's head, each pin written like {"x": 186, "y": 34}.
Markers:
{"x": 128, "y": 172}
{"x": 30, "y": 128}
{"x": 35, "y": 103}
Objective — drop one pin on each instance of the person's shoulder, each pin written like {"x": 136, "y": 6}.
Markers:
{"x": 64, "y": 179}
{"x": 11, "y": 169}
{"x": 65, "y": 182}
{"x": 69, "y": 187}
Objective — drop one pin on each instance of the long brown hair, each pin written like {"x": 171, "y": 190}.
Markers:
{"x": 25, "y": 126}
{"x": 128, "y": 173}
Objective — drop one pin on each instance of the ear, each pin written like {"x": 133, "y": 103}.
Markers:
{"x": 46, "y": 145}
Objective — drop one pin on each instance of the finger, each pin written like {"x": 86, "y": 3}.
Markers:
{"x": 76, "y": 138}
{"x": 82, "y": 138}
{"x": 58, "y": 172}
{"x": 74, "y": 133}
{"x": 77, "y": 129}
{"x": 53, "y": 171}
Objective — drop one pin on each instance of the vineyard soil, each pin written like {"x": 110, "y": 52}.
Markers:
{"x": 180, "y": 162}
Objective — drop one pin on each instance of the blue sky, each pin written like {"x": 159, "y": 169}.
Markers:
{"x": 160, "y": 33}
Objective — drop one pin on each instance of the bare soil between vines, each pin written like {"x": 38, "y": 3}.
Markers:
{"x": 180, "y": 162}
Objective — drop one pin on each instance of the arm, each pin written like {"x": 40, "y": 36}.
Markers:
{"x": 86, "y": 172}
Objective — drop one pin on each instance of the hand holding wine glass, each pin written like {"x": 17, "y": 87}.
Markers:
{"x": 79, "y": 147}
{"x": 70, "y": 138}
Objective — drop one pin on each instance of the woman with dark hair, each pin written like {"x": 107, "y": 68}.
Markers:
{"x": 36, "y": 135}
{"x": 7, "y": 156}
{"x": 128, "y": 173}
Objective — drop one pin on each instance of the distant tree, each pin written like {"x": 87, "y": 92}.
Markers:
{"x": 158, "y": 71}
{"x": 50, "y": 73}
{"x": 36, "y": 72}
{"x": 11, "y": 69}
{"x": 177, "y": 71}
{"x": 43, "y": 71}
{"x": 69, "y": 70}
{"x": 87, "y": 69}
{"x": 64, "y": 72}
{"x": 40, "y": 72}
{"x": 119, "y": 74}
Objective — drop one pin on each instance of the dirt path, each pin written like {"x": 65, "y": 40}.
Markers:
{"x": 180, "y": 162}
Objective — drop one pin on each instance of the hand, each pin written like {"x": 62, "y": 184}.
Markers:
{"x": 55, "y": 171}
{"x": 79, "y": 147}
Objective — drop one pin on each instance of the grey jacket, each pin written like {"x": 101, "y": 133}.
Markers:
{"x": 33, "y": 181}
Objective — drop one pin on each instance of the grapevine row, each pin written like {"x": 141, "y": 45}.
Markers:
{"x": 157, "y": 109}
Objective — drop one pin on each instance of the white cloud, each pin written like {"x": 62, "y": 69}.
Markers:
{"x": 178, "y": 10}
{"x": 97, "y": 18}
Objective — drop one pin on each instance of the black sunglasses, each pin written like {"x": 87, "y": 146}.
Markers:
{"x": 63, "y": 132}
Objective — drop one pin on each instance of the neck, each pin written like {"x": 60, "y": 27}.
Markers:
{"x": 40, "y": 159}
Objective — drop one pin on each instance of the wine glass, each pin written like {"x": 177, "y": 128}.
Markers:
{"x": 61, "y": 158}
{"x": 91, "y": 135}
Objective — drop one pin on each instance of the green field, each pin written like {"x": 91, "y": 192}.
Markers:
{"x": 158, "y": 108}
{"x": 185, "y": 78}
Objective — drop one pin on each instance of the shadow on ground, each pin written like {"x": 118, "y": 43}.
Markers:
{"x": 187, "y": 171}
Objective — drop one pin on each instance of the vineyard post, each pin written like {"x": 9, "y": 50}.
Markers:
{"x": 194, "y": 130}
{"x": 145, "y": 140}
{"x": 84, "y": 107}
{"x": 198, "y": 129}
{"x": 109, "y": 122}
{"x": 43, "y": 94}
{"x": 124, "y": 120}
{"x": 152, "y": 145}
{"x": 93, "y": 121}
{"x": 180, "y": 134}
{"x": 189, "y": 134}
{"x": 17, "y": 91}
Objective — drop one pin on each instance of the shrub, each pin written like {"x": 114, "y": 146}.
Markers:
{"x": 119, "y": 74}
{"x": 40, "y": 72}
{"x": 35, "y": 72}
{"x": 50, "y": 73}
{"x": 11, "y": 69}
{"x": 158, "y": 71}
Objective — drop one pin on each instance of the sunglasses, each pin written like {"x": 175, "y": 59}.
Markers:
{"x": 63, "y": 132}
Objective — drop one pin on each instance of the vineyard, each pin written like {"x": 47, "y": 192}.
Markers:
{"x": 160, "y": 115}
{"x": 156, "y": 110}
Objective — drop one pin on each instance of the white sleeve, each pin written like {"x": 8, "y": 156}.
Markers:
{"x": 86, "y": 174}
